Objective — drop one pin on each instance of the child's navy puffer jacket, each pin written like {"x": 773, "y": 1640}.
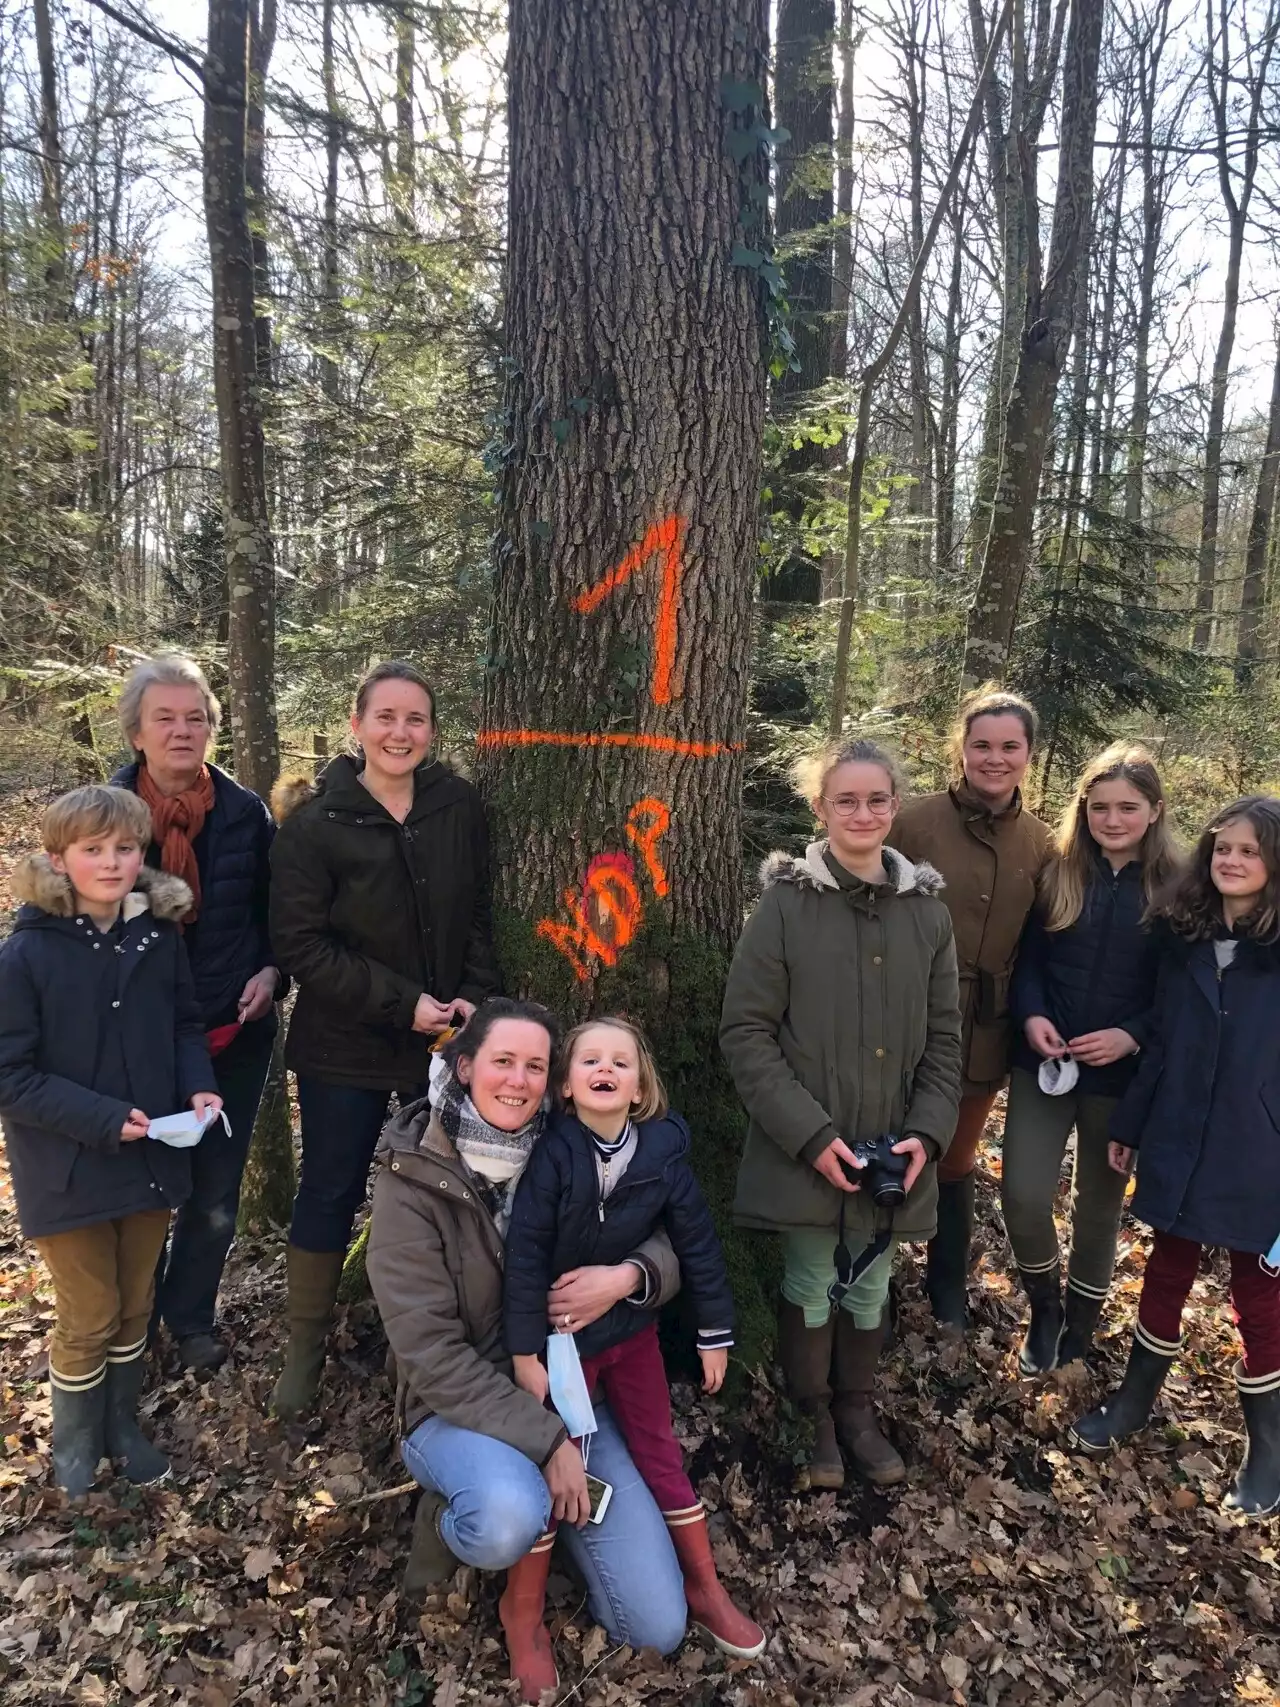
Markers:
{"x": 1203, "y": 1112}
{"x": 1099, "y": 972}
{"x": 93, "y": 1025}
{"x": 558, "y": 1222}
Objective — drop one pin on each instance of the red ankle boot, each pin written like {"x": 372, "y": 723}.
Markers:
{"x": 709, "y": 1605}
{"x": 520, "y": 1609}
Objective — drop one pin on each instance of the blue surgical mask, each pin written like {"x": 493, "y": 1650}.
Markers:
{"x": 568, "y": 1385}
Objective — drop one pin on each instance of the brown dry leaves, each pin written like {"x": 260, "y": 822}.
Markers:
{"x": 1006, "y": 1572}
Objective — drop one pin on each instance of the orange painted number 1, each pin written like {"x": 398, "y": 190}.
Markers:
{"x": 665, "y": 539}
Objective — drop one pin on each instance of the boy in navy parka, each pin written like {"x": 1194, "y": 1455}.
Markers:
{"x": 100, "y": 1033}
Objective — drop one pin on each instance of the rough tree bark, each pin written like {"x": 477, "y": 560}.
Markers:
{"x": 1043, "y": 346}
{"x": 616, "y": 687}
{"x": 250, "y": 566}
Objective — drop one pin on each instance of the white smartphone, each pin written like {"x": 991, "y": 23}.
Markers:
{"x": 599, "y": 1493}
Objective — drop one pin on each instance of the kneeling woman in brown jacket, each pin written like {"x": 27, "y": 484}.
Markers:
{"x": 496, "y": 1465}
{"x": 841, "y": 1026}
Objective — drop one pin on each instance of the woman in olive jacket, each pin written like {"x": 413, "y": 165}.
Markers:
{"x": 380, "y": 912}
{"x": 841, "y": 1026}
{"x": 990, "y": 851}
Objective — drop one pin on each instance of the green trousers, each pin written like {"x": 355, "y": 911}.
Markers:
{"x": 809, "y": 1256}
{"x": 1036, "y": 1130}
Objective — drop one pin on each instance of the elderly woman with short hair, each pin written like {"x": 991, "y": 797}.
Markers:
{"x": 217, "y": 837}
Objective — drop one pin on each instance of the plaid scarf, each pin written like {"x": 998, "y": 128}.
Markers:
{"x": 495, "y": 1158}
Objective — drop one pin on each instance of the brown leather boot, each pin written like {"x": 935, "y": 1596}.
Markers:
{"x": 523, "y": 1601}
{"x": 857, "y": 1352}
{"x": 805, "y": 1356}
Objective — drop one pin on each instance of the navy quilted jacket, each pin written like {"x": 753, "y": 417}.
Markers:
{"x": 91, "y": 1026}
{"x": 1099, "y": 972}
{"x": 558, "y": 1222}
{"x": 229, "y": 941}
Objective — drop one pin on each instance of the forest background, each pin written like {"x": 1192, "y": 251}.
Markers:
{"x": 912, "y": 344}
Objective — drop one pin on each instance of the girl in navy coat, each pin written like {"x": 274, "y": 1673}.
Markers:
{"x": 1082, "y": 991}
{"x": 1202, "y": 1117}
{"x": 100, "y": 1033}
{"x": 610, "y": 1170}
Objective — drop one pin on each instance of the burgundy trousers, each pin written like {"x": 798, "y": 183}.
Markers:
{"x": 633, "y": 1381}
{"x": 1255, "y": 1300}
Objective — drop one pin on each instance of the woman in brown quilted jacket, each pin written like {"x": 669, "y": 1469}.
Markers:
{"x": 990, "y": 851}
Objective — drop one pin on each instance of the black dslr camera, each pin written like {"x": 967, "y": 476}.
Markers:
{"x": 882, "y": 1174}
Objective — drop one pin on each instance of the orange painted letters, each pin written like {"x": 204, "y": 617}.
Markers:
{"x": 604, "y": 918}
{"x": 664, "y": 539}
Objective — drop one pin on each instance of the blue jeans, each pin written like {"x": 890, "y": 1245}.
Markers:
{"x": 499, "y": 1506}
{"x": 187, "y": 1285}
{"x": 340, "y": 1129}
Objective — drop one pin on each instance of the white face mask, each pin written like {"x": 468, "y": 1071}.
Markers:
{"x": 1058, "y": 1075}
{"x": 568, "y": 1386}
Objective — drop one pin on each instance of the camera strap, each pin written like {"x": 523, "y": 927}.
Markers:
{"x": 850, "y": 1269}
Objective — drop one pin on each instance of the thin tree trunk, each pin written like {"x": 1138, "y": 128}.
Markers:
{"x": 1044, "y": 344}
{"x": 51, "y": 167}
{"x": 874, "y": 370}
{"x": 1222, "y": 76}
{"x": 842, "y": 281}
{"x": 250, "y": 569}
{"x": 1254, "y": 597}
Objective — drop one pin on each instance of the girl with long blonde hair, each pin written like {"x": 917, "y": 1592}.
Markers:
{"x": 1082, "y": 996}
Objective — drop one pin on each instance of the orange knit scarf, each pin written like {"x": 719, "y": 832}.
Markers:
{"x": 177, "y": 819}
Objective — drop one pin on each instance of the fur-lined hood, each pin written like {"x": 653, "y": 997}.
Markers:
{"x": 339, "y": 778}
{"x": 811, "y": 872}
{"x": 37, "y": 884}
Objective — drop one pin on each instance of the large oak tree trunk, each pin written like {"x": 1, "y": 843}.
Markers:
{"x": 616, "y": 687}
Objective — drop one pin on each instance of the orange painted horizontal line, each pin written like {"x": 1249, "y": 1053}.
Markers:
{"x": 561, "y": 738}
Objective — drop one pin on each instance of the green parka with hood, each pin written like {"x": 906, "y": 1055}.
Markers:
{"x": 841, "y": 1017}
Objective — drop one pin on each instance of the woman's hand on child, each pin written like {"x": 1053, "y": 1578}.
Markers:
{"x": 1042, "y": 1035}
{"x": 715, "y": 1365}
{"x": 828, "y": 1165}
{"x": 1101, "y": 1048}
{"x": 205, "y": 1101}
{"x": 913, "y": 1147}
{"x": 566, "y": 1479}
{"x": 532, "y": 1376}
{"x": 135, "y": 1127}
{"x": 582, "y": 1295}
{"x": 1121, "y": 1157}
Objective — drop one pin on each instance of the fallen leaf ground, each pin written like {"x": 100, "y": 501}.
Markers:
{"x": 1006, "y": 1571}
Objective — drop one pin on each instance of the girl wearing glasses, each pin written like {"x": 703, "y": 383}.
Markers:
{"x": 990, "y": 851}
{"x": 841, "y": 1025}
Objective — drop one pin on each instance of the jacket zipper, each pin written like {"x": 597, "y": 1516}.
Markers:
{"x": 1104, "y": 938}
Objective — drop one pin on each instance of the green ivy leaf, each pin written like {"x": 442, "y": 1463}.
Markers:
{"x": 741, "y": 256}
{"x": 542, "y": 530}
{"x": 741, "y": 145}
{"x": 561, "y": 429}
{"x": 397, "y": 1663}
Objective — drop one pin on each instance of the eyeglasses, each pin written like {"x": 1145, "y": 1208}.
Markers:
{"x": 848, "y": 805}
